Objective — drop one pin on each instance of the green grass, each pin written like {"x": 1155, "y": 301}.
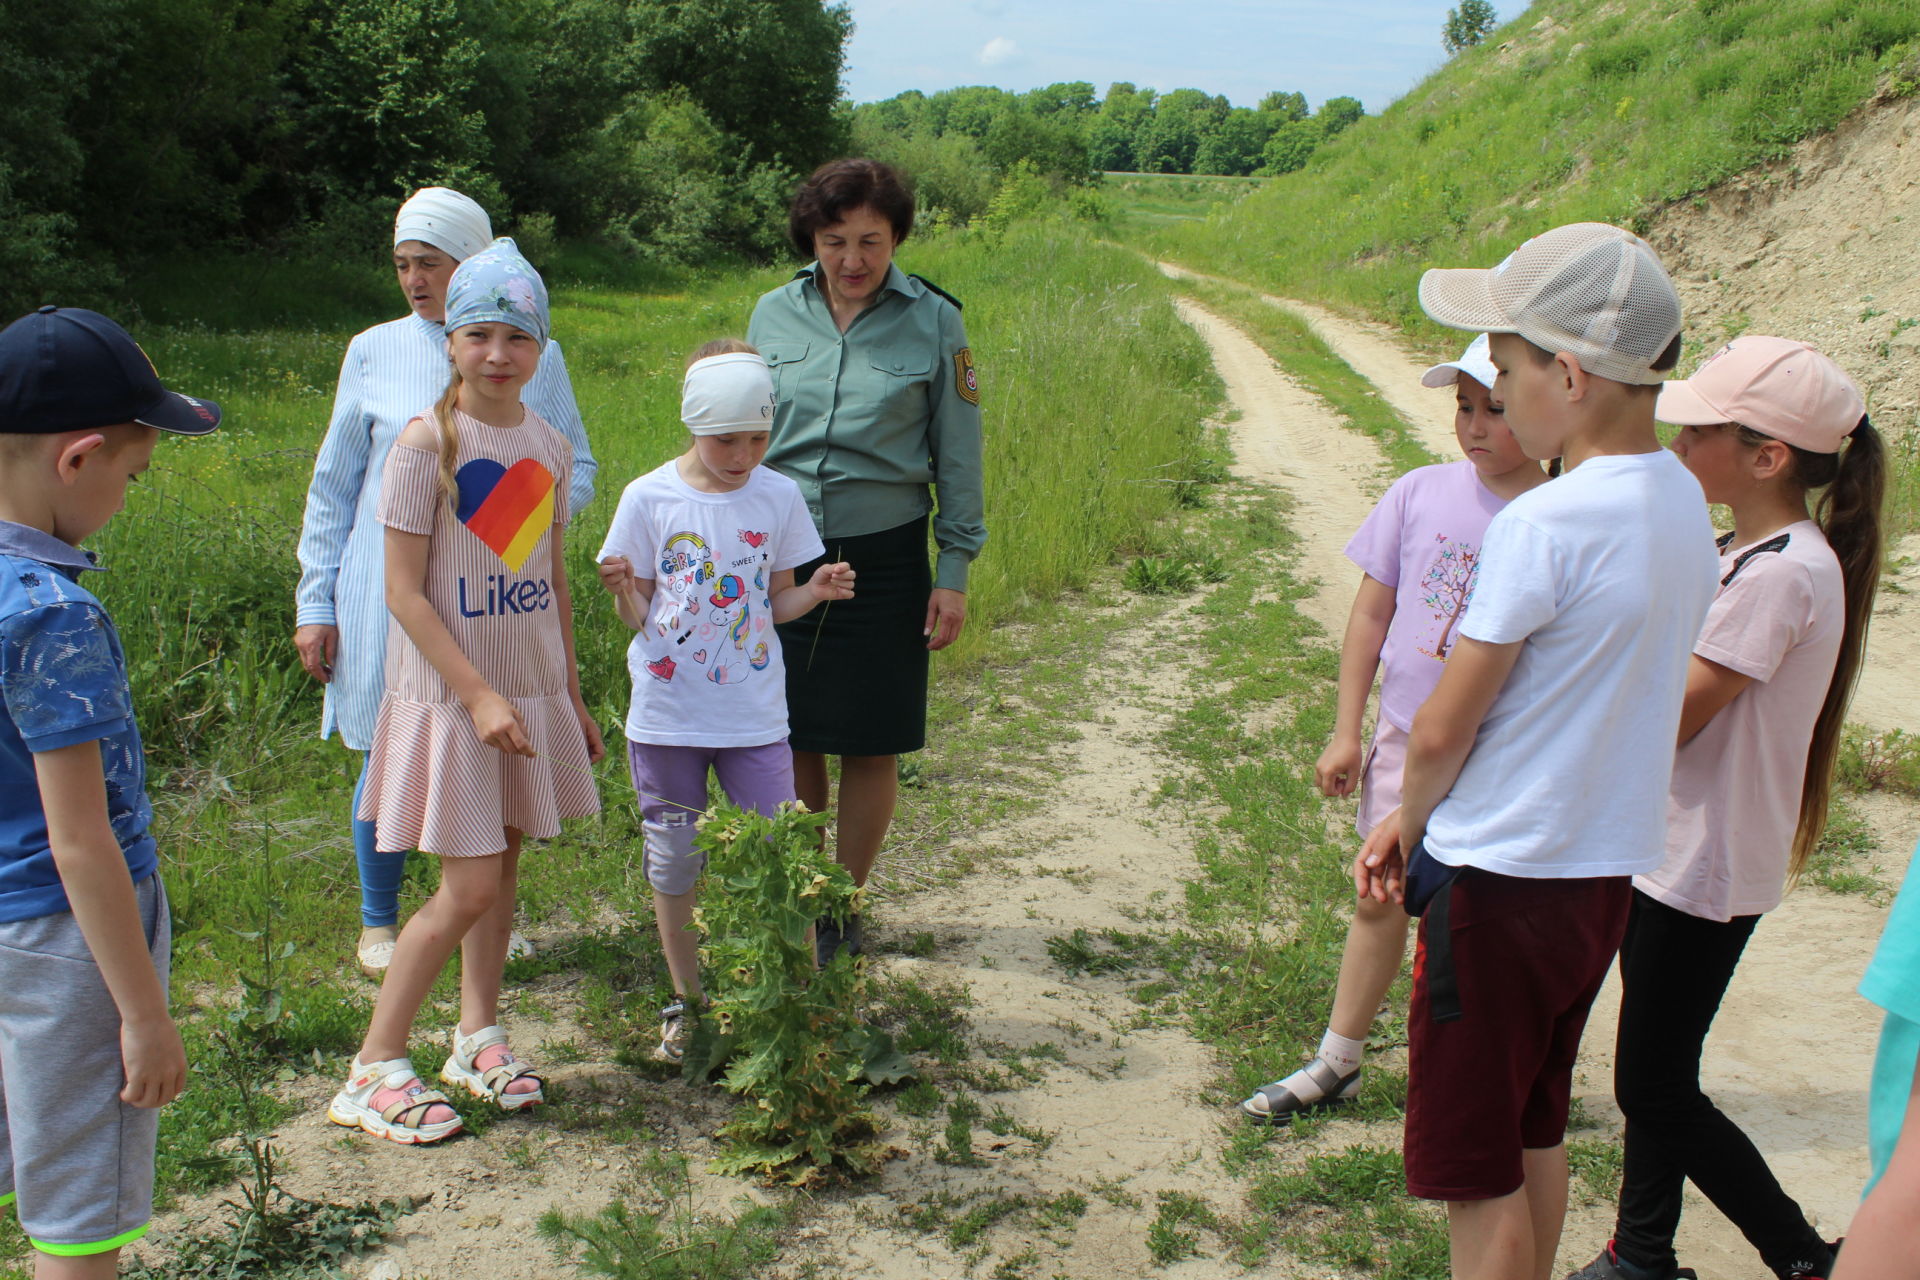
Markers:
{"x": 1146, "y": 201}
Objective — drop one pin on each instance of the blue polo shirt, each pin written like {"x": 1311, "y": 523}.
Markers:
{"x": 63, "y": 679}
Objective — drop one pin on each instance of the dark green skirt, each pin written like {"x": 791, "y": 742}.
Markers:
{"x": 857, "y": 669}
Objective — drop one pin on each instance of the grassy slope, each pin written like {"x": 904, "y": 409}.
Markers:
{"x": 1576, "y": 110}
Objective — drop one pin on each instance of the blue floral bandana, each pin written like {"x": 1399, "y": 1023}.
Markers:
{"x": 497, "y": 285}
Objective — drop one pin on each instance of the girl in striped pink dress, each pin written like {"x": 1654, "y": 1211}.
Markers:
{"x": 482, "y": 736}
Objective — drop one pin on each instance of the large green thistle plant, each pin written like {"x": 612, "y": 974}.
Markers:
{"x": 792, "y": 1037}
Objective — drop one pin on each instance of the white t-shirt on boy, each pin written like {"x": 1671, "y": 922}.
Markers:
{"x": 1606, "y": 575}
{"x": 1735, "y": 801}
{"x": 1423, "y": 540}
{"x": 706, "y": 667}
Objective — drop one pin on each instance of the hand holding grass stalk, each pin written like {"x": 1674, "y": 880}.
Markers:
{"x": 812, "y": 648}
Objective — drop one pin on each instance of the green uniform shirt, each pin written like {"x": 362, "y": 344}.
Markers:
{"x": 866, "y": 420}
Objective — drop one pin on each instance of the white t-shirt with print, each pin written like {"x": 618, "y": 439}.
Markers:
{"x": 1734, "y": 805}
{"x": 706, "y": 667}
{"x": 1606, "y": 575}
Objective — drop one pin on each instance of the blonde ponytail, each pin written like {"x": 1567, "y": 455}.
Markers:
{"x": 449, "y": 438}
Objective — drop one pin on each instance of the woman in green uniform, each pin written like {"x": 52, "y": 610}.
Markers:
{"x": 878, "y": 420}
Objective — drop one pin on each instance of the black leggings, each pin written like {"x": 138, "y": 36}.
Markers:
{"x": 1674, "y": 970}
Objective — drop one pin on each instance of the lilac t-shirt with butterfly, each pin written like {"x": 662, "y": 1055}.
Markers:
{"x": 1423, "y": 540}
{"x": 706, "y": 667}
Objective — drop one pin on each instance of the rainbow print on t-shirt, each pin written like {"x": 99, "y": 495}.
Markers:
{"x": 508, "y": 508}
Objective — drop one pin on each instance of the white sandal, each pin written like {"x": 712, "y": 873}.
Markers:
{"x": 676, "y": 1029}
{"x": 403, "y": 1120}
{"x": 492, "y": 1083}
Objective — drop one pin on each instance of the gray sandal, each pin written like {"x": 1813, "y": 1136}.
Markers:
{"x": 1281, "y": 1103}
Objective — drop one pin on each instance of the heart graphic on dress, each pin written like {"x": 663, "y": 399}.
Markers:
{"x": 508, "y": 508}
{"x": 751, "y": 538}
{"x": 661, "y": 670}
{"x": 759, "y": 622}
{"x": 700, "y": 656}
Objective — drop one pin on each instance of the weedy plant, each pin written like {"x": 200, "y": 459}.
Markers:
{"x": 268, "y": 1231}
{"x": 666, "y": 1240}
{"x": 793, "y": 1037}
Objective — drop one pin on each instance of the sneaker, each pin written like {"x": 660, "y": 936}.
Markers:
{"x": 829, "y": 938}
{"x": 1814, "y": 1268}
{"x": 375, "y": 955}
{"x": 676, "y": 1028}
{"x": 1318, "y": 1084}
{"x": 1608, "y": 1266}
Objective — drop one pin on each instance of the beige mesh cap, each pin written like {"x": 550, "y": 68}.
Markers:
{"x": 1587, "y": 288}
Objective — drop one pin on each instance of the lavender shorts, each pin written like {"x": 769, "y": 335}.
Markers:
{"x": 672, "y": 785}
{"x": 1380, "y": 778}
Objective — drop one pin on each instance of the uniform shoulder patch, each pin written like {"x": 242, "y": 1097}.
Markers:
{"x": 966, "y": 379}
{"x": 957, "y": 304}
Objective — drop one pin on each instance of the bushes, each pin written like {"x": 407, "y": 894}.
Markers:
{"x": 151, "y": 125}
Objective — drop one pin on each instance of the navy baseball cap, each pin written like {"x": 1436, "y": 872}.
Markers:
{"x": 69, "y": 369}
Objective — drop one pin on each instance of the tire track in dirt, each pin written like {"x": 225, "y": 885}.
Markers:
{"x": 1370, "y": 350}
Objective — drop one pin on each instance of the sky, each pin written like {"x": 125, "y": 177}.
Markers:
{"x": 1374, "y": 50}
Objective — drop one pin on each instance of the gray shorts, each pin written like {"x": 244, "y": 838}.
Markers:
{"x": 80, "y": 1160}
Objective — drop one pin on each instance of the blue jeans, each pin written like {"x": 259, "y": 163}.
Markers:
{"x": 380, "y": 873}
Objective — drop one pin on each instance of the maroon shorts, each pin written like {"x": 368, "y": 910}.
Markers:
{"x": 1529, "y": 957}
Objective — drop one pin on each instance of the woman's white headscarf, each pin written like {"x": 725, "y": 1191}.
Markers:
{"x": 445, "y": 219}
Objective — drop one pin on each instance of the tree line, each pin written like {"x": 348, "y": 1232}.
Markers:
{"x": 958, "y": 139}
{"x": 674, "y": 128}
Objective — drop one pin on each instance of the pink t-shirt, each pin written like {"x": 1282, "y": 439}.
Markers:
{"x": 1735, "y": 800}
{"x": 1423, "y": 540}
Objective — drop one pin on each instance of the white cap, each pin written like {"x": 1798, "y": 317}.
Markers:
{"x": 445, "y": 219}
{"x": 731, "y": 392}
{"x": 1590, "y": 289}
{"x": 1476, "y": 362}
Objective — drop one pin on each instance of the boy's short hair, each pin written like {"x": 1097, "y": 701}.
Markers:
{"x": 1593, "y": 290}
{"x": 1666, "y": 362}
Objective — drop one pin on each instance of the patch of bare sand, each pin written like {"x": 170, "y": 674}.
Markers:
{"x": 1821, "y": 246}
{"x": 1121, "y": 1110}
{"x": 1818, "y": 246}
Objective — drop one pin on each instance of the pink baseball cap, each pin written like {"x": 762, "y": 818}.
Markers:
{"x": 1778, "y": 387}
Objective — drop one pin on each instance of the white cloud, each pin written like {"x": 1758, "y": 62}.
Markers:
{"x": 998, "y": 52}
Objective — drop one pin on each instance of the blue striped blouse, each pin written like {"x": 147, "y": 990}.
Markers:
{"x": 392, "y": 373}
